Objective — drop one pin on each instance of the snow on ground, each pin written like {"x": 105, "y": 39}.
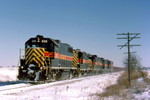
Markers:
{"x": 145, "y": 93}
{"x": 148, "y": 73}
{"x": 139, "y": 90}
{"x": 8, "y": 74}
{"x": 75, "y": 89}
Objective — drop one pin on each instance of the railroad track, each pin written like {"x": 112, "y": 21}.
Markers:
{"x": 5, "y": 87}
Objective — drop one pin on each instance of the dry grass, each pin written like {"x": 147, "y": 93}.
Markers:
{"x": 123, "y": 83}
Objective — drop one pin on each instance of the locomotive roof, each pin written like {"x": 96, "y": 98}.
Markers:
{"x": 56, "y": 42}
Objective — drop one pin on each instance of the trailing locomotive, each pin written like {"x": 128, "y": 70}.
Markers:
{"x": 48, "y": 59}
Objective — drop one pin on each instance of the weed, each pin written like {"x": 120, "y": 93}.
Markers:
{"x": 123, "y": 83}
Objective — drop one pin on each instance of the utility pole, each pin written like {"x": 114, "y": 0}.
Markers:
{"x": 129, "y": 37}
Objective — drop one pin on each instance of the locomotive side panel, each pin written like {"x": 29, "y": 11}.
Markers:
{"x": 65, "y": 51}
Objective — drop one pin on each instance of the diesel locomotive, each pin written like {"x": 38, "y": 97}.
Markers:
{"x": 46, "y": 59}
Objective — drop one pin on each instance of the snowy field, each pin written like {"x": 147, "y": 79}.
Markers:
{"x": 75, "y": 89}
{"x": 8, "y": 74}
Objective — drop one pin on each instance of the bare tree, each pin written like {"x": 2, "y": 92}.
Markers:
{"x": 135, "y": 63}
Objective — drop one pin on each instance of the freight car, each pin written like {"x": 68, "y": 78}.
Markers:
{"x": 47, "y": 59}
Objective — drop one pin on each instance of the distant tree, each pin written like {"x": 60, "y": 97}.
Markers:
{"x": 135, "y": 63}
{"x": 13, "y": 66}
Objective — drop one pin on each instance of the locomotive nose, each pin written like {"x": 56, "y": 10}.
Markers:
{"x": 34, "y": 56}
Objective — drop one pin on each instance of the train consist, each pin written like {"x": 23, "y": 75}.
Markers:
{"x": 48, "y": 59}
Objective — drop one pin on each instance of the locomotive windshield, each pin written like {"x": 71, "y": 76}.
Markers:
{"x": 37, "y": 42}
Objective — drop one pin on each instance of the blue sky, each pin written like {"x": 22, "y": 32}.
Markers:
{"x": 90, "y": 25}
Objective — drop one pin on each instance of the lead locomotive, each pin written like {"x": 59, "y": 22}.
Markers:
{"x": 49, "y": 59}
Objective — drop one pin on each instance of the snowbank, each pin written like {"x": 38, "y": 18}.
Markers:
{"x": 76, "y": 89}
{"x": 8, "y": 74}
{"x": 84, "y": 88}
